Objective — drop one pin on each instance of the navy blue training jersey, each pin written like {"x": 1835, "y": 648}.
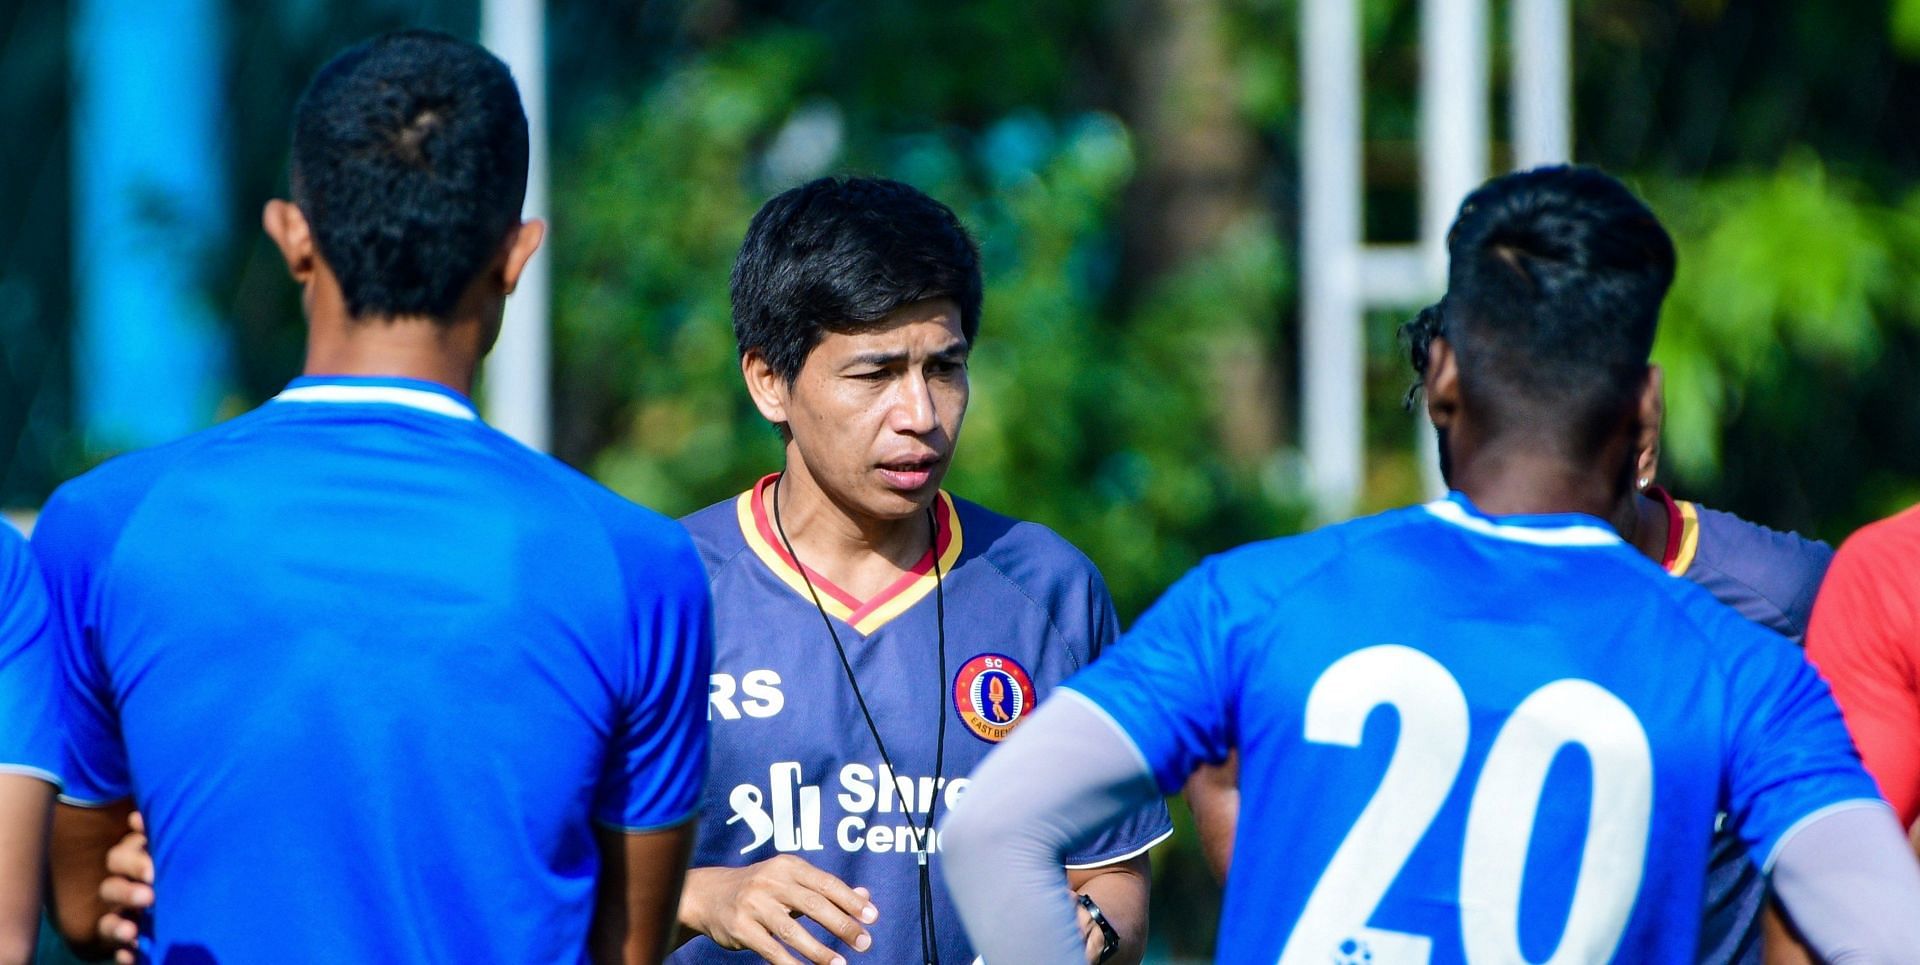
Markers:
{"x": 795, "y": 769}
{"x": 29, "y": 677}
{"x": 1470, "y": 738}
{"x": 1769, "y": 577}
{"x": 373, "y": 670}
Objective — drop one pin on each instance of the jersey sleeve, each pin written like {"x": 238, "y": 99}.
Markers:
{"x": 1789, "y": 758}
{"x": 1861, "y": 638}
{"x": 70, "y": 545}
{"x": 29, "y": 677}
{"x": 1149, "y": 825}
{"x": 1164, "y": 684}
{"x": 658, "y": 761}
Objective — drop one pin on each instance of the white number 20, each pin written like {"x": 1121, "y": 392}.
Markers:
{"x": 1421, "y": 772}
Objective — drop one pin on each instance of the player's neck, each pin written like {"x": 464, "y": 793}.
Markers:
{"x": 1522, "y": 480}
{"x": 861, "y": 554}
{"x": 410, "y": 348}
{"x": 446, "y": 351}
{"x": 1645, "y": 526}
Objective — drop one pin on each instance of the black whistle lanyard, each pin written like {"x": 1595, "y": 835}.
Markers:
{"x": 929, "y": 935}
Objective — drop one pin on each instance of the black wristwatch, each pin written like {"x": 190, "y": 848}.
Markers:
{"x": 1110, "y": 939}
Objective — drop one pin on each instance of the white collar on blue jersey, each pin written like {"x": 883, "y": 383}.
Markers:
{"x": 380, "y": 390}
{"x": 1546, "y": 529}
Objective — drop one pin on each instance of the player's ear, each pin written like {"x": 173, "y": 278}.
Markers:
{"x": 768, "y": 388}
{"x": 517, "y": 249}
{"x": 1441, "y": 384}
{"x": 1653, "y": 409}
{"x": 287, "y": 225}
{"x": 1650, "y": 412}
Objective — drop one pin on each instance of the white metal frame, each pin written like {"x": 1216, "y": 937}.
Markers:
{"x": 1341, "y": 275}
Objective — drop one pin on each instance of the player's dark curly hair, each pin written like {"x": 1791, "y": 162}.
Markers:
{"x": 1554, "y": 284}
{"x": 840, "y": 255}
{"x": 1418, "y": 332}
{"x": 410, "y": 164}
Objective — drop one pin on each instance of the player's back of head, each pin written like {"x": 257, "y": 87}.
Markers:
{"x": 410, "y": 163}
{"x": 1554, "y": 286}
{"x": 840, "y": 255}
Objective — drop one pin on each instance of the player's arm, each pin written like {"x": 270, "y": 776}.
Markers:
{"x": 77, "y": 865}
{"x": 1859, "y": 638}
{"x": 1849, "y": 881}
{"x": 1002, "y": 851}
{"x": 24, "y": 805}
{"x": 757, "y": 908}
{"x": 1120, "y": 892}
{"x": 639, "y": 887}
{"x": 1213, "y": 793}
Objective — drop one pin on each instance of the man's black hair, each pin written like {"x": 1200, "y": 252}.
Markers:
{"x": 840, "y": 255}
{"x": 410, "y": 164}
{"x": 1554, "y": 284}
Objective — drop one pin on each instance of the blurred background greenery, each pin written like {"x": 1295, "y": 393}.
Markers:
{"x": 1130, "y": 168}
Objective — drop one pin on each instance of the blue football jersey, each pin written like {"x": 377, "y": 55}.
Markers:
{"x": 373, "y": 671}
{"x": 29, "y": 677}
{"x": 1469, "y": 738}
{"x": 794, "y": 768}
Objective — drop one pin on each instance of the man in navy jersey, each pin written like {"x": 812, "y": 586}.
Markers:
{"x": 1767, "y": 576}
{"x": 385, "y": 684}
{"x": 29, "y": 743}
{"x": 874, "y": 636}
{"x": 1484, "y": 729}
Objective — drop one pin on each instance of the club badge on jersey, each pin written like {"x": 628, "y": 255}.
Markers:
{"x": 991, "y": 693}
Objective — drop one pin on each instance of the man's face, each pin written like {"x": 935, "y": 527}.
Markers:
{"x": 875, "y": 416}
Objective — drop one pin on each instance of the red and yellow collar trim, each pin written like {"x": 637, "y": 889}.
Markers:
{"x": 864, "y": 616}
{"x": 1683, "y": 532}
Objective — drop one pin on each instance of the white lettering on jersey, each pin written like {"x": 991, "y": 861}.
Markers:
{"x": 787, "y": 812}
{"x": 759, "y": 690}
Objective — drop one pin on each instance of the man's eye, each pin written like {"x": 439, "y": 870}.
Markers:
{"x": 874, "y": 375}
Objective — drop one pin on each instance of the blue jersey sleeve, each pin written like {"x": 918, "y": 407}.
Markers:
{"x": 1165, "y": 684}
{"x": 69, "y": 543}
{"x": 29, "y": 678}
{"x": 1148, "y": 826}
{"x": 658, "y": 762}
{"x": 1789, "y": 755}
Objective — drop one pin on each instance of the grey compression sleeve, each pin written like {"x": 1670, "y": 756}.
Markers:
{"x": 1850, "y": 883}
{"x": 1063, "y": 775}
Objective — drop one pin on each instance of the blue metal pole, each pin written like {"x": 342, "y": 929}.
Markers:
{"x": 149, "y": 182}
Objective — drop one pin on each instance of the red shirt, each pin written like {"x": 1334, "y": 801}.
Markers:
{"x": 1865, "y": 639}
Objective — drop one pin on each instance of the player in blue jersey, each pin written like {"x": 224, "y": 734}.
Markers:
{"x": 29, "y": 744}
{"x": 875, "y": 637}
{"x": 1484, "y": 729}
{"x": 385, "y": 684}
{"x": 1769, "y": 577}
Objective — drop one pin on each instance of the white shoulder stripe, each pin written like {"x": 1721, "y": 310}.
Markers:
{"x": 390, "y": 394}
{"x": 1579, "y": 534}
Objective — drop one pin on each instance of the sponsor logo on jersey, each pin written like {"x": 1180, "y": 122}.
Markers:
{"x": 786, "y": 813}
{"x": 991, "y": 693}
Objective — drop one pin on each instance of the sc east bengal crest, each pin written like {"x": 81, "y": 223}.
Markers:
{"x": 991, "y": 693}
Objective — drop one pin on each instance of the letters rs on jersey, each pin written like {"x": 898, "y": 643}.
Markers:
{"x": 1462, "y": 727}
{"x": 793, "y": 767}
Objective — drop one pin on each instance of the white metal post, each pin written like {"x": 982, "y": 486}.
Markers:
{"x": 1332, "y": 350}
{"x": 518, "y": 383}
{"x": 1542, "y": 83}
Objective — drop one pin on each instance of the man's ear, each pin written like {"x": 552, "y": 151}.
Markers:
{"x": 1651, "y": 412}
{"x": 1441, "y": 384}
{"x": 287, "y": 225}
{"x": 518, "y": 247}
{"x": 768, "y": 388}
